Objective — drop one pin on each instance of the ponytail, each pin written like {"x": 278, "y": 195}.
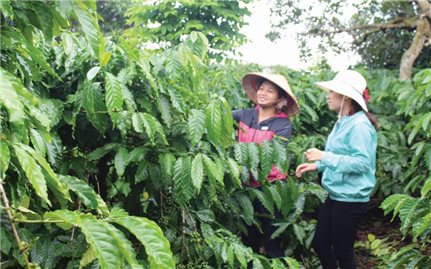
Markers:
{"x": 373, "y": 119}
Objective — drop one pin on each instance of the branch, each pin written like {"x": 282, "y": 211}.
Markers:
{"x": 423, "y": 33}
{"x": 22, "y": 248}
{"x": 397, "y": 23}
{"x": 425, "y": 7}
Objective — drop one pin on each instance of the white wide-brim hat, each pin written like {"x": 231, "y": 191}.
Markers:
{"x": 252, "y": 81}
{"x": 349, "y": 83}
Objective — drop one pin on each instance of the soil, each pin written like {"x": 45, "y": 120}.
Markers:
{"x": 381, "y": 227}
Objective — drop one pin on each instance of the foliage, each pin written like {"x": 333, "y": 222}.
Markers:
{"x": 123, "y": 157}
{"x": 379, "y": 31}
{"x": 415, "y": 217}
{"x": 404, "y": 134}
{"x": 168, "y": 22}
{"x": 380, "y": 249}
{"x": 99, "y": 139}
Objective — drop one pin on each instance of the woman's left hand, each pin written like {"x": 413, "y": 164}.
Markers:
{"x": 313, "y": 154}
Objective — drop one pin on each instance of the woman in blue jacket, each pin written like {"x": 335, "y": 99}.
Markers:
{"x": 348, "y": 164}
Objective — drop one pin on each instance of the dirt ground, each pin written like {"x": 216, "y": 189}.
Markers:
{"x": 382, "y": 228}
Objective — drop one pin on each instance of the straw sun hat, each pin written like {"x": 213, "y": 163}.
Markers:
{"x": 252, "y": 81}
{"x": 349, "y": 83}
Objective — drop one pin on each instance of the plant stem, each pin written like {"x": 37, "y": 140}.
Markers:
{"x": 22, "y": 248}
{"x": 37, "y": 221}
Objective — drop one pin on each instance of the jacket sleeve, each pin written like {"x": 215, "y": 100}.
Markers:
{"x": 237, "y": 114}
{"x": 362, "y": 146}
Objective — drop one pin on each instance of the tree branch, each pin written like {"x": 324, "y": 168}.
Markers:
{"x": 423, "y": 33}
{"x": 397, "y": 23}
{"x": 22, "y": 248}
{"x": 425, "y": 7}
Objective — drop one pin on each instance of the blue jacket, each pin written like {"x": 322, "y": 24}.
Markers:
{"x": 349, "y": 160}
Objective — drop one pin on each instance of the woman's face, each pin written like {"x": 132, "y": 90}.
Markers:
{"x": 267, "y": 94}
{"x": 334, "y": 101}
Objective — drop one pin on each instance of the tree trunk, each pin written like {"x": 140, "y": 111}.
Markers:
{"x": 423, "y": 33}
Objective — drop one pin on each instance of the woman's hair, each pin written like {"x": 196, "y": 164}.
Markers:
{"x": 356, "y": 108}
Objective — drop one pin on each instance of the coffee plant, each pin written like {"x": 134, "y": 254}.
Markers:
{"x": 113, "y": 156}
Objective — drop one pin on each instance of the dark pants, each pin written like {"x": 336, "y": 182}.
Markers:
{"x": 336, "y": 233}
{"x": 255, "y": 239}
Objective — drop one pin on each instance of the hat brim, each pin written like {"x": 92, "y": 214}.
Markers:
{"x": 252, "y": 81}
{"x": 343, "y": 89}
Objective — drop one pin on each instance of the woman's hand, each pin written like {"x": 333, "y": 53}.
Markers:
{"x": 305, "y": 167}
{"x": 313, "y": 154}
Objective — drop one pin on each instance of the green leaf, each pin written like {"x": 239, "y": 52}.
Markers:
{"x": 65, "y": 219}
{"x": 271, "y": 191}
{"x": 292, "y": 263}
{"x": 165, "y": 109}
{"x": 94, "y": 106}
{"x": 183, "y": 185}
{"x": 137, "y": 123}
{"x": 92, "y": 73}
{"x": 266, "y": 157}
{"x": 91, "y": 30}
{"x": 196, "y": 125}
{"x": 100, "y": 239}
{"x": 151, "y": 125}
{"x": 38, "y": 142}
{"x": 413, "y": 134}
{"x": 426, "y": 188}
{"x": 267, "y": 203}
{"x": 299, "y": 233}
{"x": 167, "y": 162}
{"x": 9, "y": 97}
{"x": 113, "y": 97}
{"x": 391, "y": 202}
{"x": 5, "y": 244}
{"x": 6, "y": 9}
{"x": 214, "y": 122}
{"x": 427, "y": 157}
{"x": 176, "y": 100}
{"x": 242, "y": 153}
{"x": 408, "y": 214}
{"x": 128, "y": 98}
{"x": 102, "y": 151}
{"x": 206, "y": 215}
{"x": 212, "y": 169}
{"x": 28, "y": 48}
{"x": 120, "y": 161}
{"x": 124, "y": 246}
{"x": 247, "y": 208}
{"x": 151, "y": 236}
{"x": 137, "y": 155}
{"x": 425, "y": 224}
{"x": 280, "y": 155}
{"x": 4, "y": 160}
{"x": 82, "y": 190}
{"x": 310, "y": 112}
{"x": 426, "y": 121}
{"x": 227, "y": 121}
{"x": 56, "y": 186}
{"x": 234, "y": 170}
{"x": 102, "y": 207}
{"x": 33, "y": 173}
{"x": 87, "y": 258}
{"x": 197, "y": 172}
{"x": 253, "y": 154}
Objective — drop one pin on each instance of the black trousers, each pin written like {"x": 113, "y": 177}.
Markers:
{"x": 336, "y": 233}
{"x": 255, "y": 239}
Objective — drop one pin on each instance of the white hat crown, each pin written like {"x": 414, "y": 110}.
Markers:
{"x": 349, "y": 83}
{"x": 353, "y": 79}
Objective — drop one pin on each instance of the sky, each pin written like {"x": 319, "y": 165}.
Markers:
{"x": 284, "y": 51}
